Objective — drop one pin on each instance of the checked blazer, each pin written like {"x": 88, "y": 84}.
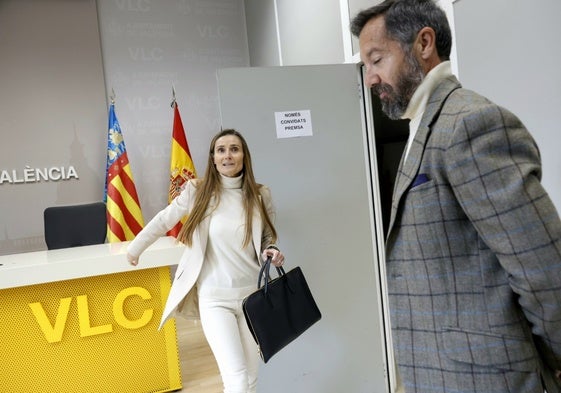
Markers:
{"x": 473, "y": 254}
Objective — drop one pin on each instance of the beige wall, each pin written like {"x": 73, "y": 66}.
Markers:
{"x": 53, "y": 101}
{"x": 150, "y": 46}
{"x": 53, "y": 115}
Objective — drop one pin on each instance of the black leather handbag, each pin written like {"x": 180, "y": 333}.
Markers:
{"x": 280, "y": 310}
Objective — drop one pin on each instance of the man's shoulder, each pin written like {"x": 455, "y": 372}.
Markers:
{"x": 450, "y": 89}
{"x": 464, "y": 100}
{"x": 474, "y": 111}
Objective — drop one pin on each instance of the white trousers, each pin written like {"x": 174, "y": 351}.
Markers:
{"x": 231, "y": 342}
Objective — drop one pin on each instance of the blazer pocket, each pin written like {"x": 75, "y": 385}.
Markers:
{"x": 421, "y": 178}
{"x": 489, "y": 350}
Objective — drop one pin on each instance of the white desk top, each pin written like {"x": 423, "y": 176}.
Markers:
{"x": 39, "y": 267}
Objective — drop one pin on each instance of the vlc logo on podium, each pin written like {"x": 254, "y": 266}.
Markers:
{"x": 54, "y": 331}
{"x": 93, "y": 334}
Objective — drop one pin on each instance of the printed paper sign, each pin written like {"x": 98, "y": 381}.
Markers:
{"x": 293, "y": 124}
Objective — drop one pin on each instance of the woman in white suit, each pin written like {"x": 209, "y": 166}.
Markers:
{"x": 229, "y": 230}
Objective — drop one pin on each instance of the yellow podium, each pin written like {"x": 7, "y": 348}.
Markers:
{"x": 83, "y": 320}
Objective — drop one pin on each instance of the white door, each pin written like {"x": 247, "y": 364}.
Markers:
{"x": 322, "y": 188}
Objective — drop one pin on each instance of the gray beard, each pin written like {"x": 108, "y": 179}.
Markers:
{"x": 395, "y": 105}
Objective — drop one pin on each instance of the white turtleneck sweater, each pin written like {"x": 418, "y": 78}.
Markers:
{"x": 230, "y": 270}
{"x": 418, "y": 102}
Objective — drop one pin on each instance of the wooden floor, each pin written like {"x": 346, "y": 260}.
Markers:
{"x": 199, "y": 372}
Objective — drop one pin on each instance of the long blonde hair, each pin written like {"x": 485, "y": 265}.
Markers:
{"x": 211, "y": 185}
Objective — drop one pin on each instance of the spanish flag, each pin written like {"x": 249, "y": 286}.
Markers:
{"x": 181, "y": 164}
{"x": 124, "y": 217}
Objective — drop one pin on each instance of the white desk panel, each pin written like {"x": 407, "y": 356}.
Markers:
{"x": 39, "y": 267}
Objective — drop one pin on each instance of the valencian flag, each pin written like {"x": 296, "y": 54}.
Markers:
{"x": 181, "y": 164}
{"x": 124, "y": 217}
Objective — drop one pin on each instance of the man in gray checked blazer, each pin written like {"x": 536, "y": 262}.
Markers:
{"x": 474, "y": 241}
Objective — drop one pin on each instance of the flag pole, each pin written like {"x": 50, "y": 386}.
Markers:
{"x": 124, "y": 215}
{"x": 182, "y": 168}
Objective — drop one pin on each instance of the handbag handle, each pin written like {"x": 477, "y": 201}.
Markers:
{"x": 264, "y": 272}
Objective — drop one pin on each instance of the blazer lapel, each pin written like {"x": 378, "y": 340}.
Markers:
{"x": 409, "y": 167}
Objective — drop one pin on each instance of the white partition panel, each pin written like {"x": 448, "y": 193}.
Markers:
{"x": 322, "y": 188}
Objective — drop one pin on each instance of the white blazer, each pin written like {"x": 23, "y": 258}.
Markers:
{"x": 183, "y": 293}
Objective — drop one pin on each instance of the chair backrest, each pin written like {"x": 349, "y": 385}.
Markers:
{"x": 75, "y": 225}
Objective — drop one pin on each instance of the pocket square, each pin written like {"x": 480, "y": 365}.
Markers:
{"x": 420, "y": 179}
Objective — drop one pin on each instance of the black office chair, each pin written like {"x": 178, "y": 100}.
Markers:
{"x": 75, "y": 225}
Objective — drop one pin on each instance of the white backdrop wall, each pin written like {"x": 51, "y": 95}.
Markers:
{"x": 148, "y": 46}
{"x": 57, "y": 70}
{"x": 294, "y": 32}
{"x": 53, "y": 115}
{"x": 310, "y": 32}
